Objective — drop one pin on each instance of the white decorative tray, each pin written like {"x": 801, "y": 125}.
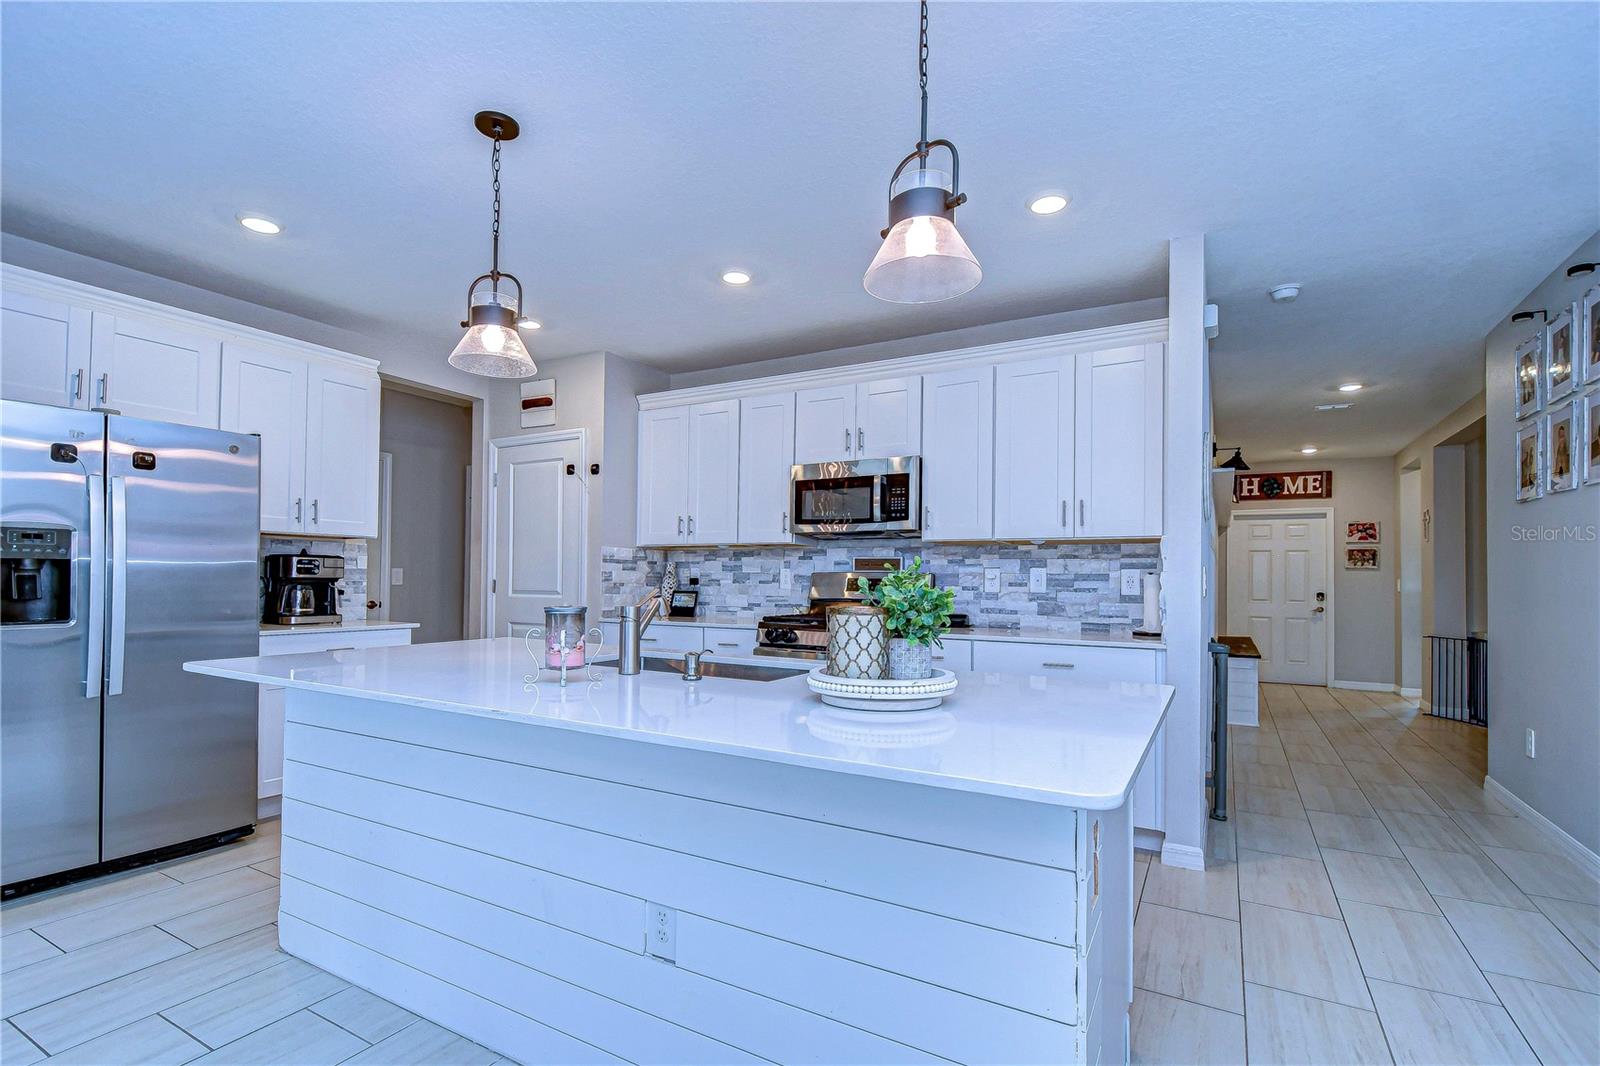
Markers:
{"x": 860, "y": 694}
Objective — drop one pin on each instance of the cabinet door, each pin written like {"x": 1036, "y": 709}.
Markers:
{"x": 889, "y": 418}
{"x": 269, "y": 741}
{"x": 1119, "y": 443}
{"x": 825, "y": 424}
{"x": 958, "y": 455}
{"x": 1149, "y": 788}
{"x": 44, "y": 351}
{"x": 713, "y": 473}
{"x": 265, "y": 393}
{"x": 663, "y": 476}
{"x": 1033, "y": 449}
{"x": 766, "y": 454}
{"x": 146, "y": 368}
{"x": 341, "y": 452}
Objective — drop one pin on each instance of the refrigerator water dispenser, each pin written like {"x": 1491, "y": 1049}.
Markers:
{"x": 35, "y": 575}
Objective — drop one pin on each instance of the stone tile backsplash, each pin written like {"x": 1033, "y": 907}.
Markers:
{"x": 352, "y": 590}
{"x": 1082, "y": 588}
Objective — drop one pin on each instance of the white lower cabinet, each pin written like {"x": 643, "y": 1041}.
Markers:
{"x": 269, "y": 698}
{"x": 729, "y": 640}
{"x": 954, "y": 655}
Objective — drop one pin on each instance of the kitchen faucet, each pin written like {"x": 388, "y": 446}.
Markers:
{"x": 635, "y": 620}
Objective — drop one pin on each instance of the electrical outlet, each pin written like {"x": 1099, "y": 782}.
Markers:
{"x": 660, "y": 931}
{"x": 1528, "y": 745}
{"x": 397, "y": 576}
{"x": 786, "y": 579}
{"x": 1036, "y": 576}
{"x": 1132, "y": 582}
{"x": 991, "y": 579}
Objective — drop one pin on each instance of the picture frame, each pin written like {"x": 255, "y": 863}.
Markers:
{"x": 1588, "y": 340}
{"x": 1361, "y": 533}
{"x": 1563, "y": 463}
{"x": 1361, "y": 559}
{"x": 1591, "y": 436}
{"x": 1560, "y": 378}
{"x": 1530, "y": 461}
{"x": 1528, "y": 371}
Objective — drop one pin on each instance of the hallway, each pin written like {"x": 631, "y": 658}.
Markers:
{"x": 1367, "y": 902}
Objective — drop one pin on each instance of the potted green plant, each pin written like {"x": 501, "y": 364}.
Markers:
{"x": 918, "y": 615}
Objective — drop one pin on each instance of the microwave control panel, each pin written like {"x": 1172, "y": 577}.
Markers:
{"x": 896, "y": 498}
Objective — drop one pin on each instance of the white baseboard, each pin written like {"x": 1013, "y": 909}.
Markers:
{"x": 1362, "y": 686}
{"x": 1183, "y": 856}
{"x": 1148, "y": 839}
{"x": 269, "y": 807}
{"x": 1410, "y": 693}
{"x": 1576, "y": 851}
{"x": 1242, "y": 718}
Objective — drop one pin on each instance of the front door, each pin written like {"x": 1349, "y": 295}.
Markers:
{"x": 538, "y": 537}
{"x": 1277, "y": 594}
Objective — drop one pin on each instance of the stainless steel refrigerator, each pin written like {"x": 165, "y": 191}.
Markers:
{"x": 127, "y": 547}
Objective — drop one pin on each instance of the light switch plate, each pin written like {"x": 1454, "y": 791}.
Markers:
{"x": 991, "y": 579}
{"x": 397, "y": 575}
{"x": 786, "y": 579}
{"x": 1132, "y": 582}
{"x": 1036, "y": 578}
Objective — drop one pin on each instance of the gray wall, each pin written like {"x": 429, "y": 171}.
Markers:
{"x": 1544, "y": 602}
{"x": 1364, "y": 600}
{"x": 431, "y": 445}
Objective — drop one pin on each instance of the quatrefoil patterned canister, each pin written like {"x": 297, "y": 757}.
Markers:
{"x": 858, "y": 642}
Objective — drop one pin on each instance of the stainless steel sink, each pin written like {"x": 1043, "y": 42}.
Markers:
{"x": 733, "y": 671}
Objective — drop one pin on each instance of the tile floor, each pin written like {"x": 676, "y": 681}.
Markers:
{"x": 1366, "y": 902}
{"x": 180, "y": 962}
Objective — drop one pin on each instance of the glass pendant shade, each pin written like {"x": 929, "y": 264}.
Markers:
{"x": 492, "y": 347}
{"x": 923, "y": 260}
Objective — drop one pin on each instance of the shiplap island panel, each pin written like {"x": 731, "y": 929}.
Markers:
{"x": 502, "y": 858}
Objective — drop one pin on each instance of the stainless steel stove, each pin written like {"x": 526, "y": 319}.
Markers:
{"x": 805, "y": 635}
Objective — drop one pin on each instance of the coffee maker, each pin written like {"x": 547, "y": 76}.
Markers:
{"x": 302, "y": 589}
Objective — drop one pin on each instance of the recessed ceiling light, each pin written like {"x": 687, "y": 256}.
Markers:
{"x": 1049, "y": 203}
{"x": 257, "y": 224}
{"x": 529, "y": 323}
{"x": 735, "y": 277}
{"x": 1308, "y": 451}
{"x": 1284, "y": 294}
{"x": 1351, "y": 386}
{"x": 1335, "y": 406}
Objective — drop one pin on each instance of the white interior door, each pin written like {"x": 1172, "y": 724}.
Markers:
{"x": 1277, "y": 570}
{"x": 538, "y": 536}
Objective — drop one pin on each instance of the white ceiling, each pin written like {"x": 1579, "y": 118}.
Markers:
{"x": 1417, "y": 167}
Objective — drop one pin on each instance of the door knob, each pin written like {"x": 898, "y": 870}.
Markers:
{"x": 373, "y": 605}
{"x": 1318, "y": 610}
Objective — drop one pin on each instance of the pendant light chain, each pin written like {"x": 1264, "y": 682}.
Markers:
{"x": 922, "y": 80}
{"x": 494, "y": 269}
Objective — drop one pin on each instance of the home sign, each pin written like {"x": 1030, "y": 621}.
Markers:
{"x": 1295, "y": 485}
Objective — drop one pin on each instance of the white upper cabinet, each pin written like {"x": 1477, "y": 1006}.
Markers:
{"x": 150, "y": 368}
{"x": 342, "y": 408}
{"x": 766, "y": 454}
{"x": 713, "y": 473}
{"x": 1033, "y": 444}
{"x": 958, "y": 454}
{"x": 663, "y": 476}
{"x": 1119, "y": 442}
{"x": 825, "y": 424}
{"x": 889, "y": 418}
{"x": 44, "y": 350}
{"x": 264, "y": 392}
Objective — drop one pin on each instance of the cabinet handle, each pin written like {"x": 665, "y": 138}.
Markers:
{"x": 314, "y": 518}
{"x": 105, "y": 389}
{"x": 786, "y": 521}
{"x": 297, "y": 508}
{"x": 927, "y": 518}
{"x": 861, "y": 439}
{"x": 347, "y": 647}
{"x": 847, "y": 440}
{"x": 1058, "y": 666}
{"x": 1080, "y": 513}
{"x": 680, "y": 525}
{"x": 1063, "y": 514}
{"x": 727, "y": 644}
{"x": 649, "y": 640}
{"x": 77, "y": 384}
{"x": 691, "y": 525}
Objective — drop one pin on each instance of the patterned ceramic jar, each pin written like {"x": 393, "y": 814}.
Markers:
{"x": 858, "y": 642}
{"x": 908, "y": 661}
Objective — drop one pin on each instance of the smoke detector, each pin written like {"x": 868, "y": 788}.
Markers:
{"x": 1285, "y": 294}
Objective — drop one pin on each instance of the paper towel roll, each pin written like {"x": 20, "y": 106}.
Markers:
{"x": 1152, "y": 601}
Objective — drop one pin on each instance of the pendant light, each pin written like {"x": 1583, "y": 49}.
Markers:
{"x": 492, "y": 348}
{"x": 923, "y": 258}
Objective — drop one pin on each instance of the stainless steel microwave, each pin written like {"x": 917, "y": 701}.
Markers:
{"x": 863, "y": 497}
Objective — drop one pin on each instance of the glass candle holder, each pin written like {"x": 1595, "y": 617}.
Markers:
{"x": 565, "y": 637}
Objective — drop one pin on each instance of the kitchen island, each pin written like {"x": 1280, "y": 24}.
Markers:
{"x": 652, "y": 870}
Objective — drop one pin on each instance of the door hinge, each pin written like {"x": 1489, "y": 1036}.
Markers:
{"x": 494, "y": 480}
{"x": 494, "y": 586}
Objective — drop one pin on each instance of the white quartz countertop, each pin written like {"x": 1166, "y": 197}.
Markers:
{"x": 334, "y": 627}
{"x": 1114, "y": 639}
{"x": 1073, "y": 744}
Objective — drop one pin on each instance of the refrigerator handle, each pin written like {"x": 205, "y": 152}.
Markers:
{"x": 119, "y": 584}
{"x": 94, "y": 650}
